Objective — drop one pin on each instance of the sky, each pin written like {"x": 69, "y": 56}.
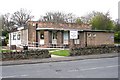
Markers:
{"x": 77, "y": 7}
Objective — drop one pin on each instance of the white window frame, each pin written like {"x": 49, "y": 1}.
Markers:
{"x": 14, "y": 36}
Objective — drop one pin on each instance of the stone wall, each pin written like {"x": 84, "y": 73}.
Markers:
{"x": 94, "y": 50}
{"x": 30, "y": 54}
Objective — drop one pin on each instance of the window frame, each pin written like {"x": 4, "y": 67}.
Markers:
{"x": 14, "y": 36}
{"x": 18, "y": 36}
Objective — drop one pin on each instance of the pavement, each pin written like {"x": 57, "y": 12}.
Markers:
{"x": 88, "y": 68}
{"x": 55, "y": 56}
{"x": 57, "y": 59}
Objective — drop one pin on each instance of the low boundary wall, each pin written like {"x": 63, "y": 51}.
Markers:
{"x": 28, "y": 54}
{"x": 94, "y": 50}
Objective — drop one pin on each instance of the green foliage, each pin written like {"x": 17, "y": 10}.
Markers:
{"x": 61, "y": 53}
{"x": 117, "y": 32}
{"x": 79, "y": 21}
{"x": 102, "y": 21}
{"x": 4, "y": 51}
{"x": 117, "y": 37}
{"x": 5, "y": 33}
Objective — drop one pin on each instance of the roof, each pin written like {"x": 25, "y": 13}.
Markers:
{"x": 17, "y": 29}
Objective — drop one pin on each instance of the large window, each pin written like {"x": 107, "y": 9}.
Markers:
{"x": 65, "y": 37}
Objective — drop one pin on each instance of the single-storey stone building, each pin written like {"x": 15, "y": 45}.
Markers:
{"x": 57, "y": 35}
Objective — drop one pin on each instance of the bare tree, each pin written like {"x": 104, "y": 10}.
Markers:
{"x": 21, "y": 17}
{"x": 7, "y": 23}
{"x": 58, "y": 17}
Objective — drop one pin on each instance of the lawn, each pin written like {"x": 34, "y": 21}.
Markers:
{"x": 61, "y": 53}
{"x": 5, "y": 51}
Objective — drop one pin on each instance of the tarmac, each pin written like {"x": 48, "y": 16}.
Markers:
{"x": 57, "y": 59}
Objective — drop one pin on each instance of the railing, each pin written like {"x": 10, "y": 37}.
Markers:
{"x": 49, "y": 45}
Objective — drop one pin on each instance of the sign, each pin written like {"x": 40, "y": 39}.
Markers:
{"x": 73, "y": 34}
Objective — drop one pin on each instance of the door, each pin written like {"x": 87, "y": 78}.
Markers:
{"x": 41, "y": 37}
{"x": 54, "y": 37}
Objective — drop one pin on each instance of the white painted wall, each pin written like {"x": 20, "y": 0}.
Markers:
{"x": 23, "y": 38}
{"x": 14, "y": 42}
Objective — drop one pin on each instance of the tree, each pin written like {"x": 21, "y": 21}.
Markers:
{"x": 58, "y": 17}
{"x": 102, "y": 21}
{"x": 117, "y": 31}
{"x": 21, "y": 17}
{"x": 87, "y": 18}
{"x": 117, "y": 25}
{"x": 7, "y": 23}
{"x": 79, "y": 21}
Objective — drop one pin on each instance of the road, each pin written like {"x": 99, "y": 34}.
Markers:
{"x": 89, "y": 68}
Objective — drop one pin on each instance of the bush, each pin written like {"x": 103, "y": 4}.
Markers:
{"x": 117, "y": 37}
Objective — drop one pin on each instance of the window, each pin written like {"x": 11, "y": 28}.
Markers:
{"x": 14, "y": 36}
{"x": 89, "y": 35}
{"x": 94, "y": 35}
{"x": 36, "y": 25}
{"x": 18, "y": 36}
{"x": 65, "y": 37}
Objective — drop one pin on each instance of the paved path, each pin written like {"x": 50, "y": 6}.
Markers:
{"x": 55, "y": 56}
{"x": 89, "y": 68}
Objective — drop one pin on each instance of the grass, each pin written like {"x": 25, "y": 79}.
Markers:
{"x": 5, "y": 50}
{"x": 117, "y": 42}
{"x": 61, "y": 53}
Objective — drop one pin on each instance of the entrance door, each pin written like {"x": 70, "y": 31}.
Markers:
{"x": 54, "y": 37}
{"x": 41, "y": 37}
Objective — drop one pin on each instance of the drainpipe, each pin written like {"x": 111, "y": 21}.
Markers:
{"x": 10, "y": 41}
{"x": 85, "y": 39}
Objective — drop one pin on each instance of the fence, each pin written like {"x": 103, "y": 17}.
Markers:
{"x": 49, "y": 45}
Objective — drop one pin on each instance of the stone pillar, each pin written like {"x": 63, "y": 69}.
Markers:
{"x": 59, "y": 38}
{"x": 46, "y": 38}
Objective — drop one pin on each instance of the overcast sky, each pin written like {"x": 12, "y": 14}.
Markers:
{"x": 77, "y": 7}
